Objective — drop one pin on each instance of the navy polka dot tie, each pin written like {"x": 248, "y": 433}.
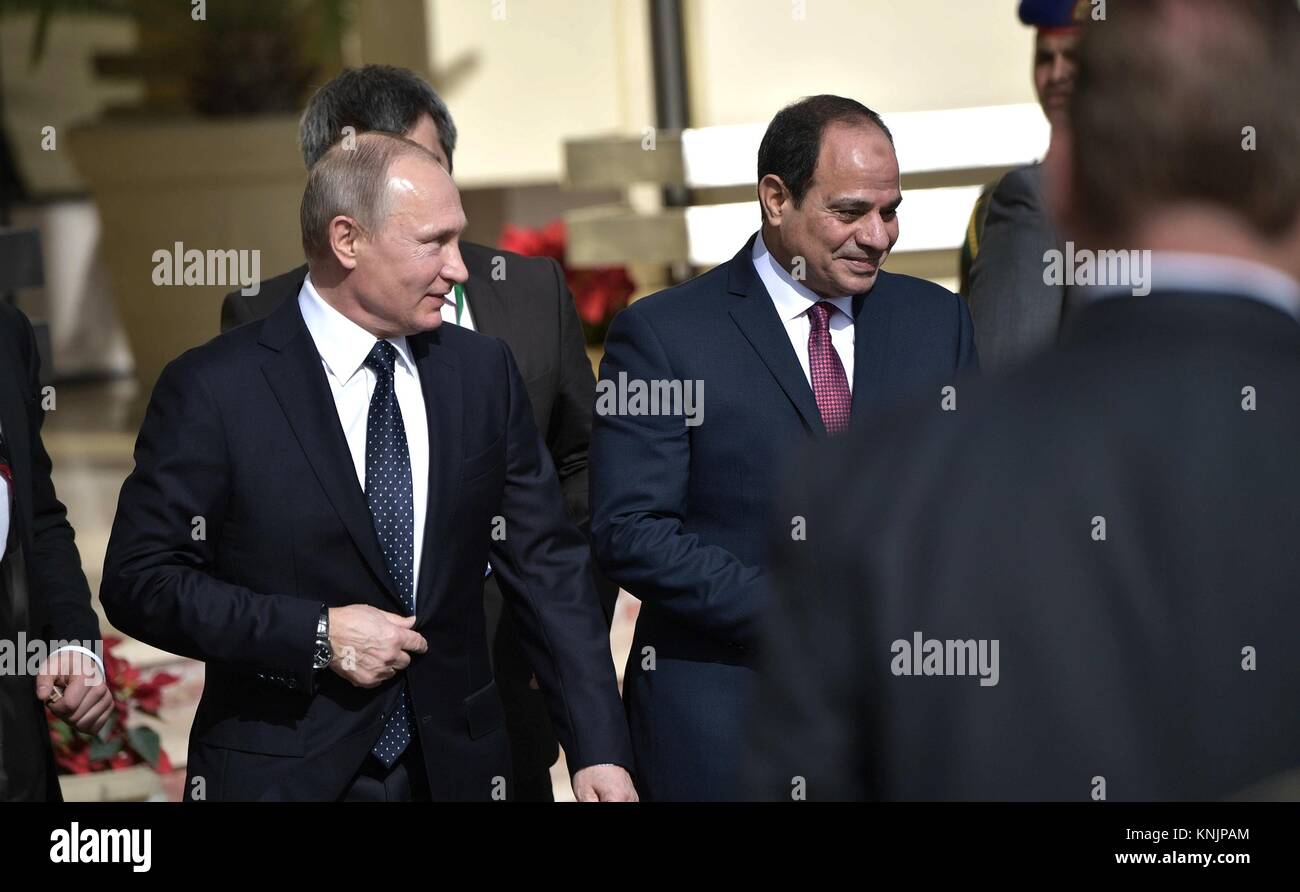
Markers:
{"x": 388, "y": 490}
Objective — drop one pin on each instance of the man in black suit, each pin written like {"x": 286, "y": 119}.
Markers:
{"x": 799, "y": 334}
{"x": 45, "y": 607}
{"x": 1092, "y": 562}
{"x": 315, "y": 499}
{"x": 521, "y": 300}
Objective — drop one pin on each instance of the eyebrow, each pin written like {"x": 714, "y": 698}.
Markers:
{"x": 856, "y": 204}
{"x": 441, "y": 233}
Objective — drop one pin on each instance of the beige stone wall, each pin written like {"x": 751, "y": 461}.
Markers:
{"x": 749, "y": 57}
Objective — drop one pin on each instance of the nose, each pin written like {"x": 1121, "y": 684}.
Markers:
{"x": 873, "y": 234}
{"x": 454, "y": 269}
{"x": 1060, "y": 68}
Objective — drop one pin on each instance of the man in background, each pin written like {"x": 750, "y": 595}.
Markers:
{"x": 1081, "y": 583}
{"x": 44, "y": 598}
{"x": 1016, "y": 313}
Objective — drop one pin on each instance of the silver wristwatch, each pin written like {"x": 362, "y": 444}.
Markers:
{"x": 324, "y": 653}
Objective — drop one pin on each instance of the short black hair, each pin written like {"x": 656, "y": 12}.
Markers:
{"x": 383, "y": 98}
{"x": 794, "y": 138}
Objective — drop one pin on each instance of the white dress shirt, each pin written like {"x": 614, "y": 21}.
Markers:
{"x": 343, "y": 347}
{"x": 793, "y": 300}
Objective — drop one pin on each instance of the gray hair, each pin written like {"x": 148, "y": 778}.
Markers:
{"x": 351, "y": 181}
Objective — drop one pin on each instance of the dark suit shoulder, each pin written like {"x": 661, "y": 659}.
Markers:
{"x": 688, "y": 299}
{"x": 240, "y": 309}
{"x": 13, "y": 328}
{"x": 1021, "y": 186}
{"x": 918, "y": 301}
{"x": 913, "y": 288}
{"x": 226, "y": 356}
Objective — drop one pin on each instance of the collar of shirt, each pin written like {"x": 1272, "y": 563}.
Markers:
{"x": 1214, "y": 273}
{"x": 343, "y": 345}
{"x": 791, "y": 297}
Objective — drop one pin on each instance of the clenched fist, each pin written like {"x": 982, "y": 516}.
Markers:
{"x": 72, "y": 686}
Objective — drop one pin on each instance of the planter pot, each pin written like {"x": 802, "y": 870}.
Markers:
{"x": 222, "y": 184}
{"x": 135, "y": 784}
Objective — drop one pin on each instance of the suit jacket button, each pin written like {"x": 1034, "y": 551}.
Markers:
{"x": 426, "y": 720}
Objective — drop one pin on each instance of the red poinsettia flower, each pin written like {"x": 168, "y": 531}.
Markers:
{"x": 148, "y": 695}
{"x": 598, "y": 292}
{"x": 119, "y": 745}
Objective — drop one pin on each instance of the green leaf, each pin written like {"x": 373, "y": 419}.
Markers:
{"x": 146, "y": 742}
{"x": 104, "y": 749}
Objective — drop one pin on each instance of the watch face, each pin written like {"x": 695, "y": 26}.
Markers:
{"x": 324, "y": 654}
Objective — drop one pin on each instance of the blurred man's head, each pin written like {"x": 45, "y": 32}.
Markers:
{"x": 1057, "y": 23}
{"x": 829, "y": 191}
{"x": 380, "y": 98}
{"x": 381, "y": 224}
{"x": 1183, "y": 132}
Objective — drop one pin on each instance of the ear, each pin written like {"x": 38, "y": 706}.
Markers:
{"x": 344, "y": 235}
{"x": 1058, "y": 181}
{"x": 773, "y": 198}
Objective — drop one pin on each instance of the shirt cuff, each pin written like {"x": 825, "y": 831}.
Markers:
{"x": 88, "y": 652}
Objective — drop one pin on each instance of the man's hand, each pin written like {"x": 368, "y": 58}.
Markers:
{"x": 604, "y": 783}
{"x": 371, "y": 645}
{"x": 83, "y": 699}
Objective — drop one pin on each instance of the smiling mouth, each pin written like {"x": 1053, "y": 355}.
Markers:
{"x": 862, "y": 266}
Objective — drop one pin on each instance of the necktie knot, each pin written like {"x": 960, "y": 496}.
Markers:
{"x": 381, "y": 358}
{"x": 819, "y": 315}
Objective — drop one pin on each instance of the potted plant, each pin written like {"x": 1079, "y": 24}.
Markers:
{"x": 124, "y": 762}
{"x": 207, "y": 162}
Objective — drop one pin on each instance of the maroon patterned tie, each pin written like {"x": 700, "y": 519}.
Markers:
{"x": 829, "y": 383}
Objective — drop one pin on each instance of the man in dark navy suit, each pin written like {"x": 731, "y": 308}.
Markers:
{"x": 525, "y": 302}
{"x": 316, "y": 497}
{"x": 799, "y": 335}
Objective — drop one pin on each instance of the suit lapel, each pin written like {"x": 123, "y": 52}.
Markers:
{"x": 295, "y": 376}
{"x": 871, "y": 318}
{"x": 444, "y": 402}
{"x": 757, "y": 319}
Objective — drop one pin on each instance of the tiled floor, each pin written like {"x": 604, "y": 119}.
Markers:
{"x": 90, "y": 436}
